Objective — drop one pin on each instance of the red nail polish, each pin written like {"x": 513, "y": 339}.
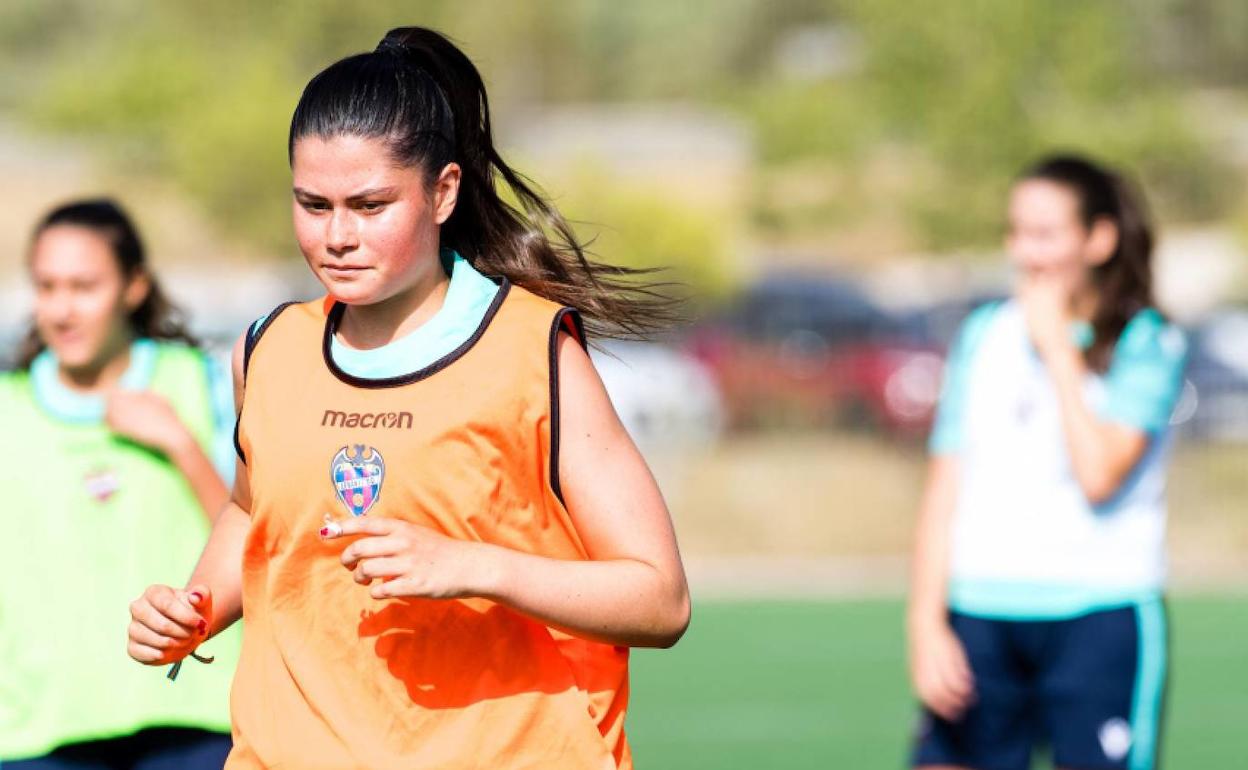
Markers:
{"x": 197, "y": 597}
{"x": 324, "y": 531}
{"x": 203, "y": 628}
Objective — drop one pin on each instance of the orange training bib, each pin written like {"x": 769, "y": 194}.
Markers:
{"x": 331, "y": 678}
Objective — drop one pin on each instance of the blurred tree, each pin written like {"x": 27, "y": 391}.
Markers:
{"x": 910, "y": 116}
{"x": 203, "y": 93}
{"x": 629, "y": 225}
{"x": 967, "y": 92}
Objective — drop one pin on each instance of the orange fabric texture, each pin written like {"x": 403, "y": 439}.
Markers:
{"x": 331, "y": 678}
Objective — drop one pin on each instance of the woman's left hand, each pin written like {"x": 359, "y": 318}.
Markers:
{"x": 408, "y": 559}
{"x": 145, "y": 418}
{"x": 1046, "y": 308}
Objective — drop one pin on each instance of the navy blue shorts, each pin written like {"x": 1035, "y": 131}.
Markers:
{"x": 160, "y": 748}
{"x": 1088, "y": 688}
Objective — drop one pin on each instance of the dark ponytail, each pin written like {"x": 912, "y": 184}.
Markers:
{"x": 157, "y": 317}
{"x": 426, "y": 99}
{"x": 1124, "y": 282}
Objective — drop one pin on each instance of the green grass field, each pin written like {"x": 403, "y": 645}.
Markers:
{"x": 823, "y": 685}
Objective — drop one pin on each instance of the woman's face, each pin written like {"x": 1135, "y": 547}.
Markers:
{"x": 82, "y": 299}
{"x": 1046, "y": 237}
{"x": 367, "y": 226}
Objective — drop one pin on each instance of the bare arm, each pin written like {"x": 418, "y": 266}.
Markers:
{"x": 1102, "y": 453}
{"x": 147, "y": 418}
{"x": 167, "y": 624}
{"x": 939, "y": 670}
{"x": 930, "y": 570}
{"x": 220, "y": 566}
{"x": 202, "y": 476}
{"x": 632, "y": 589}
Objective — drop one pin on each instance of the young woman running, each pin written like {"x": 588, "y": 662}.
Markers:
{"x": 113, "y": 421}
{"x": 443, "y": 541}
{"x": 1036, "y": 617}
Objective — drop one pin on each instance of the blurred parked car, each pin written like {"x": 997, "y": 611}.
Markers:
{"x": 1214, "y": 405}
{"x": 936, "y": 325}
{"x": 665, "y": 398}
{"x": 814, "y": 350}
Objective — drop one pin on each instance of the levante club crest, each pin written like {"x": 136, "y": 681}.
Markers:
{"x": 357, "y": 473}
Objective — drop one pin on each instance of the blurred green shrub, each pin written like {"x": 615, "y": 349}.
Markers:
{"x": 930, "y": 110}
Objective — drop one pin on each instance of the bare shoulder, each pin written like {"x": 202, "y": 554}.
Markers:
{"x": 579, "y": 381}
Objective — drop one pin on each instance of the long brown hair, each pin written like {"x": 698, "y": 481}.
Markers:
{"x": 1124, "y": 282}
{"x": 157, "y": 317}
{"x": 425, "y": 98}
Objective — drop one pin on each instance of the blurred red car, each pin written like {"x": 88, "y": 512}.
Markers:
{"x": 815, "y": 351}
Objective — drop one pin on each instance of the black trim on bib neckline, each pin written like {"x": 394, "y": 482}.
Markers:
{"x": 334, "y": 317}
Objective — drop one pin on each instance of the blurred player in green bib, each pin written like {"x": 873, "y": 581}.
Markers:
{"x": 116, "y": 458}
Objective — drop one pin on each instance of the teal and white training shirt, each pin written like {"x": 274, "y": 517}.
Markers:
{"x": 1026, "y": 542}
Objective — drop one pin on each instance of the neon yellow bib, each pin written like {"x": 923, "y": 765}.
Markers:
{"x": 90, "y": 521}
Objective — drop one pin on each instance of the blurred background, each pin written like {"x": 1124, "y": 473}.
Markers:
{"x": 828, "y": 179}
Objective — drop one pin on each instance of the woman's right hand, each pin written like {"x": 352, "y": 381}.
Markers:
{"x": 939, "y": 670}
{"x": 167, "y": 624}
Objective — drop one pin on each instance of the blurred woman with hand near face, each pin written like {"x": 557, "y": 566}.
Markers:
{"x": 1036, "y": 615}
{"x": 117, "y": 456}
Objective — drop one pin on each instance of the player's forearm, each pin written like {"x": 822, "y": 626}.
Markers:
{"x": 930, "y": 569}
{"x": 1093, "y": 461}
{"x": 929, "y": 580}
{"x": 623, "y": 601}
{"x": 209, "y": 490}
{"x": 220, "y": 566}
